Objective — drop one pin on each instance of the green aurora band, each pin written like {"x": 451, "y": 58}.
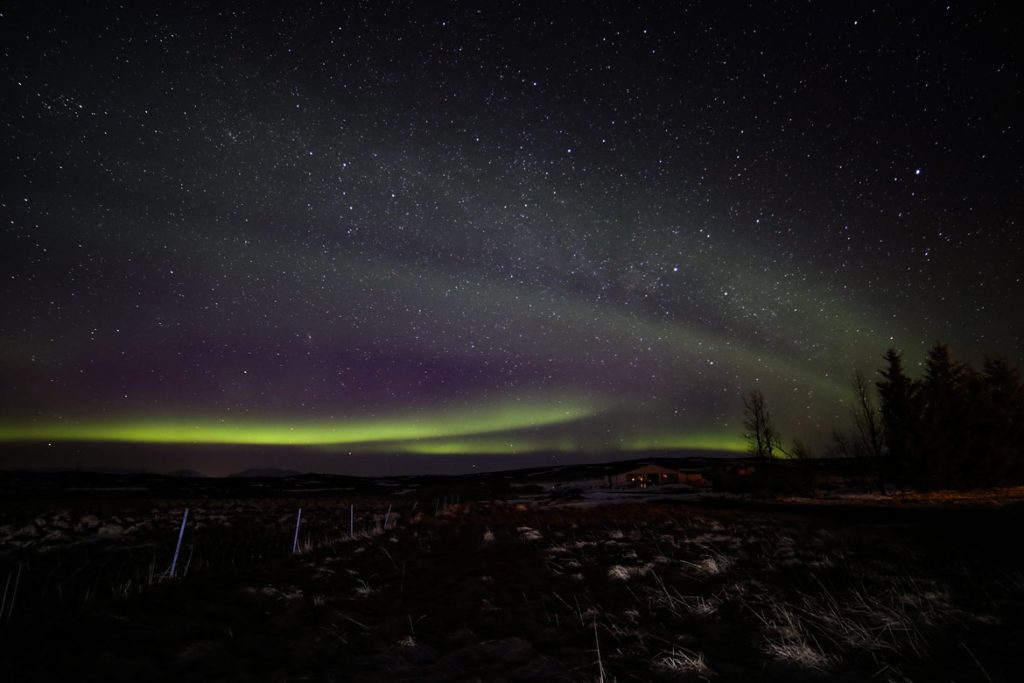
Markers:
{"x": 488, "y": 444}
{"x": 510, "y": 415}
{"x": 507, "y": 427}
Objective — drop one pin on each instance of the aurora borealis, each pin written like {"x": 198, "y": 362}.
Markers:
{"x": 453, "y": 229}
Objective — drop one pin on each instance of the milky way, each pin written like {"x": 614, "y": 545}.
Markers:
{"x": 457, "y": 229}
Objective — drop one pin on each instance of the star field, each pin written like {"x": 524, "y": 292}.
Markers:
{"x": 451, "y": 228}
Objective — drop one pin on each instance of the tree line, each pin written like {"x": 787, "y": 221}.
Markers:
{"x": 956, "y": 426}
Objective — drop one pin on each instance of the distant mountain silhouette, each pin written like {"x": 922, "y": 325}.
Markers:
{"x": 105, "y": 470}
{"x": 187, "y": 474}
{"x": 266, "y": 473}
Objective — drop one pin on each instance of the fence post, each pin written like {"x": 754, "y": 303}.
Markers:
{"x": 177, "y": 548}
{"x": 4, "y": 604}
{"x": 295, "y": 541}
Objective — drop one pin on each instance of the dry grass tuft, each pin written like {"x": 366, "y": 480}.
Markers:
{"x": 680, "y": 661}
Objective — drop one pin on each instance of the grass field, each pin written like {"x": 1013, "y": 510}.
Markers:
{"x": 490, "y": 590}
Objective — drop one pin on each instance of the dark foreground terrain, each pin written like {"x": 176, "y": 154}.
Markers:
{"x": 430, "y": 589}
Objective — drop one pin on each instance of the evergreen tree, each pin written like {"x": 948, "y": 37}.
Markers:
{"x": 975, "y": 464}
{"x": 955, "y": 427}
{"x": 943, "y": 394}
{"x": 900, "y": 418}
{"x": 1003, "y": 415}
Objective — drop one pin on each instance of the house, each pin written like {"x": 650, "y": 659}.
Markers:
{"x": 644, "y": 476}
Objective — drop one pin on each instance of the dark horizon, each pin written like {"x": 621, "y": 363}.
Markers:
{"x": 221, "y": 460}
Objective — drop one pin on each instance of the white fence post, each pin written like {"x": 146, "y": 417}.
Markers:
{"x": 295, "y": 541}
{"x": 177, "y": 548}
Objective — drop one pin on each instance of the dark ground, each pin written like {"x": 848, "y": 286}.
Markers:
{"x": 492, "y": 591}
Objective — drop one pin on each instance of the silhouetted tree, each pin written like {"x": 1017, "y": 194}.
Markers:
{"x": 944, "y": 419}
{"x": 1002, "y": 416}
{"x": 760, "y": 431}
{"x": 973, "y": 463}
{"x": 799, "y": 451}
{"x": 955, "y": 426}
{"x": 868, "y": 430}
{"x": 900, "y": 419}
{"x": 838, "y": 446}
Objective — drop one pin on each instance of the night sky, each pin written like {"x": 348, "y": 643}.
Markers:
{"x": 495, "y": 228}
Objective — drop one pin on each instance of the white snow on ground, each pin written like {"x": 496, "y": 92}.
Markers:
{"x": 595, "y": 497}
{"x": 609, "y": 496}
